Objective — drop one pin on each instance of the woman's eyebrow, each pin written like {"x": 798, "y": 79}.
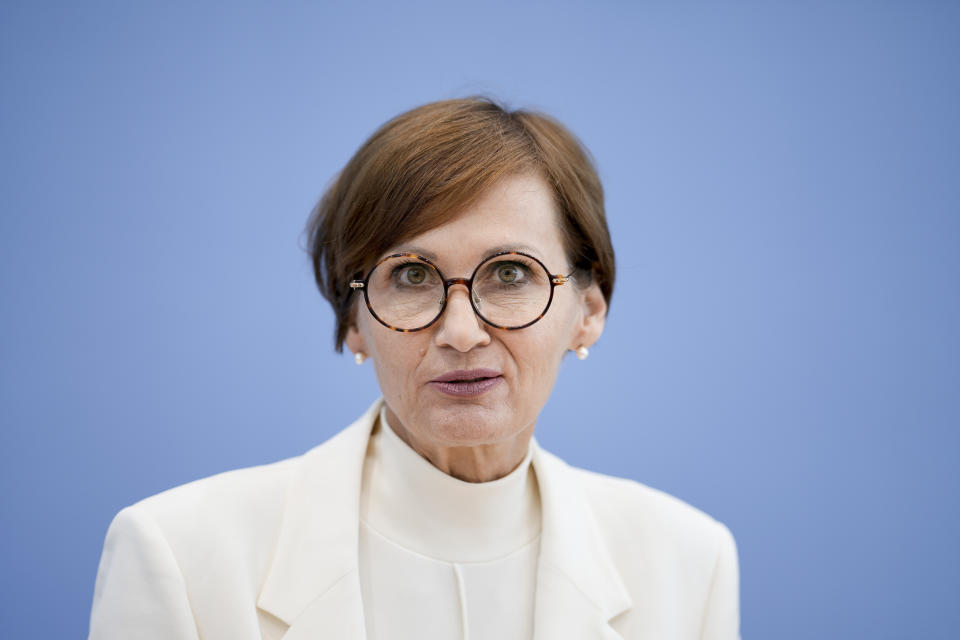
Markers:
{"x": 489, "y": 252}
{"x": 412, "y": 249}
{"x": 521, "y": 248}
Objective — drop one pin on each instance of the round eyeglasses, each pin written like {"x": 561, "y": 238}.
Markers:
{"x": 509, "y": 290}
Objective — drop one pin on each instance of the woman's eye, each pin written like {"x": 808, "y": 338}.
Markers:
{"x": 415, "y": 274}
{"x": 508, "y": 273}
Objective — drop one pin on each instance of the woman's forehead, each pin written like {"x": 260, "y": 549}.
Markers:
{"x": 518, "y": 214}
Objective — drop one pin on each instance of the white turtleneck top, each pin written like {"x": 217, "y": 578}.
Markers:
{"x": 441, "y": 558}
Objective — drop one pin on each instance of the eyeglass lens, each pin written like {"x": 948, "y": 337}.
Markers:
{"x": 508, "y": 291}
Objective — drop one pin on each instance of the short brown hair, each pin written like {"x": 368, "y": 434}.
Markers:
{"x": 421, "y": 168}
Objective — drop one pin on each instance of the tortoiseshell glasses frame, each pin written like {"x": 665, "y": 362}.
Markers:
{"x": 555, "y": 280}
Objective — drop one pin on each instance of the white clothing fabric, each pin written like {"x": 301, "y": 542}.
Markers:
{"x": 272, "y": 552}
{"x": 441, "y": 558}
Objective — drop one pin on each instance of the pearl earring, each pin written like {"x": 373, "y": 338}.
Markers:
{"x": 359, "y": 357}
{"x": 582, "y": 352}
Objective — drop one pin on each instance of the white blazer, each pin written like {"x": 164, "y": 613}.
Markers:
{"x": 271, "y": 552}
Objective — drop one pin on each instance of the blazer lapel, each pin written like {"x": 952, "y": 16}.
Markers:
{"x": 578, "y": 587}
{"x": 313, "y": 584}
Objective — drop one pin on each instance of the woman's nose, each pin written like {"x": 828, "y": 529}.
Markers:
{"x": 459, "y": 326}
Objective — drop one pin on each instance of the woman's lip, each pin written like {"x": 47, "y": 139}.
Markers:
{"x": 461, "y": 375}
{"x": 466, "y": 388}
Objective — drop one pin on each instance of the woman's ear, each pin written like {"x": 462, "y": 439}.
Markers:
{"x": 594, "y": 316}
{"x": 355, "y": 341}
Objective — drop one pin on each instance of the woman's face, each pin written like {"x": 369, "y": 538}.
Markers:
{"x": 520, "y": 366}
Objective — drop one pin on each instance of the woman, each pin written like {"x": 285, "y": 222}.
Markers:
{"x": 465, "y": 251}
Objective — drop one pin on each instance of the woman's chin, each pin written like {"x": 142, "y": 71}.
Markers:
{"x": 468, "y": 425}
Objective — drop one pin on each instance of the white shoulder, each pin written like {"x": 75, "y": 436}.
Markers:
{"x": 647, "y": 527}
{"x": 643, "y": 506}
{"x": 668, "y": 552}
{"x": 196, "y": 545}
{"x": 204, "y": 511}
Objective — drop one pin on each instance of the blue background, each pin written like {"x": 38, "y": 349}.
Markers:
{"x": 782, "y": 349}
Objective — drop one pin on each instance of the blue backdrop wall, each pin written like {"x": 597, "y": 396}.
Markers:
{"x": 782, "y": 349}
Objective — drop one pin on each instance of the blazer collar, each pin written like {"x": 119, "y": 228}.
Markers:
{"x": 579, "y": 589}
{"x": 313, "y": 583}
